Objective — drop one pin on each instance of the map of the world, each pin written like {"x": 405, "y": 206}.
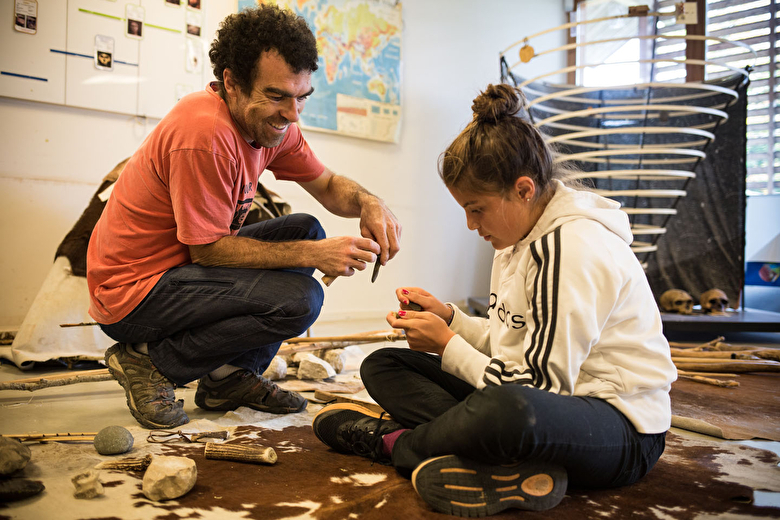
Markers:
{"x": 357, "y": 88}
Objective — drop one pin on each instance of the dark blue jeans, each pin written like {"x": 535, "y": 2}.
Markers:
{"x": 598, "y": 445}
{"x": 197, "y": 318}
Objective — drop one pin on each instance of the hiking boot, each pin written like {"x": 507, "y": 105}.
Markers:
{"x": 463, "y": 487}
{"x": 150, "y": 395}
{"x": 351, "y": 428}
{"x": 244, "y": 388}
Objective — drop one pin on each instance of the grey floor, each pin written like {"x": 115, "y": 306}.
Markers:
{"x": 88, "y": 407}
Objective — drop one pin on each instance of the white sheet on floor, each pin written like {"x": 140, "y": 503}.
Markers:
{"x": 63, "y": 298}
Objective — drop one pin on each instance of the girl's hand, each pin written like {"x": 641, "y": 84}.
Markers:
{"x": 425, "y": 331}
{"x": 408, "y": 295}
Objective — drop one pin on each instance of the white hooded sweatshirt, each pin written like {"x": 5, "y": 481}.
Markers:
{"x": 571, "y": 312}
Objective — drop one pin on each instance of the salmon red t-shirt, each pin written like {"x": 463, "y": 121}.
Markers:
{"x": 191, "y": 182}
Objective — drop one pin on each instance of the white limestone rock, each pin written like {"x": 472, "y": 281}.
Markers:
{"x": 169, "y": 477}
{"x": 336, "y": 358}
{"x": 312, "y": 367}
{"x": 88, "y": 484}
{"x": 299, "y": 356}
{"x": 277, "y": 369}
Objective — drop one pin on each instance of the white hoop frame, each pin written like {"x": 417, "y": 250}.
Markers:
{"x": 681, "y": 110}
{"x": 652, "y": 194}
{"x": 650, "y": 211}
{"x": 652, "y": 175}
{"x": 578, "y": 128}
{"x": 687, "y": 37}
{"x": 632, "y": 130}
{"x": 635, "y": 151}
{"x": 563, "y": 94}
{"x": 573, "y": 68}
{"x": 646, "y": 229}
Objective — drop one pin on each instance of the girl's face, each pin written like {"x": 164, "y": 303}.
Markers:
{"x": 502, "y": 221}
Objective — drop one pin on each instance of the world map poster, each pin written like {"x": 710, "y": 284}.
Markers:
{"x": 357, "y": 88}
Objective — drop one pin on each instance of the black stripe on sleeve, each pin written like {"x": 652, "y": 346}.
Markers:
{"x": 539, "y": 376}
{"x": 554, "y": 310}
{"x": 534, "y": 310}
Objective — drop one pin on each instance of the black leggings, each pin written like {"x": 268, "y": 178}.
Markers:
{"x": 598, "y": 445}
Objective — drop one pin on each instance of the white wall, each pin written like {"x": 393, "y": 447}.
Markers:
{"x": 762, "y": 223}
{"x": 52, "y": 158}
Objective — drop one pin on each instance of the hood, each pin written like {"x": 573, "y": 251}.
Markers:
{"x": 569, "y": 204}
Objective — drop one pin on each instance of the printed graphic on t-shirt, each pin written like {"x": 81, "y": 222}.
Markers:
{"x": 511, "y": 320}
{"x": 242, "y": 208}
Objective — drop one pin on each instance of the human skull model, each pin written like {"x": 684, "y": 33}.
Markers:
{"x": 714, "y": 301}
{"x": 676, "y": 300}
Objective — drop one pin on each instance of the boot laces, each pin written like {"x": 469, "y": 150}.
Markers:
{"x": 367, "y": 442}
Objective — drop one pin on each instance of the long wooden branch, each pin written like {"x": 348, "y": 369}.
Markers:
{"x": 706, "y": 374}
{"x": 365, "y": 337}
{"x": 82, "y": 324}
{"x": 706, "y": 380}
{"x": 294, "y": 345}
{"x": 52, "y": 437}
{"x": 712, "y": 343}
{"x": 36, "y": 383}
{"x": 720, "y": 365}
{"x": 285, "y": 350}
{"x": 742, "y": 354}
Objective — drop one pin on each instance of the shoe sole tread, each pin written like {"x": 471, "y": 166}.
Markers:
{"x": 467, "y": 488}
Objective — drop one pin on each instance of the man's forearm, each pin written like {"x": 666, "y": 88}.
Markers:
{"x": 345, "y": 197}
{"x": 233, "y": 251}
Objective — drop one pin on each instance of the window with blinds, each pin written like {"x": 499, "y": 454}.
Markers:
{"x": 752, "y": 22}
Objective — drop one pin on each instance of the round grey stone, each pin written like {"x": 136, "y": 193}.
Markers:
{"x": 113, "y": 440}
{"x": 13, "y": 456}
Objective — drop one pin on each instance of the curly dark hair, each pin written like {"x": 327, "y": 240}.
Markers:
{"x": 243, "y": 37}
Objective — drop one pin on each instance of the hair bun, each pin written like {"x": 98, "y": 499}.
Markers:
{"x": 496, "y": 102}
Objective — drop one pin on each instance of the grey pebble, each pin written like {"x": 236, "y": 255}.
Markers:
{"x": 113, "y": 440}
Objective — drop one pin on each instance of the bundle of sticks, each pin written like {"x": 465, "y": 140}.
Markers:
{"x": 699, "y": 362}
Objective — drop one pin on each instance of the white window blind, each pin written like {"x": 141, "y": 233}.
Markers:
{"x": 755, "y": 23}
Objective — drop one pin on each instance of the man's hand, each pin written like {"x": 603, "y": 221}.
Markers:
{"x": 425, "y": 331}
{"x": 378, "y": 223}
{"x": 346, "y": 198}
{"x": 341, "y": 256}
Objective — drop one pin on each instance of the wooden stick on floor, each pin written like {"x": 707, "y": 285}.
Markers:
{"x": 36, "y": 383}
{"x": 721, "y": 365}
{"x": 82, "y": 324}
{"x": 708, "y": 380}
{"x": 52, "y": 437}
{"x": 376, "y": 335}
{"x": 712, "y": 343}
{"x": 706, "y": 374}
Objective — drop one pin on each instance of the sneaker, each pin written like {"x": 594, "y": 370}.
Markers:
{"x": 351, "y": 428}
{"x": 244, "y": 388}
{"x": 150, "y": 395}
{"x": 463, "y": 487}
